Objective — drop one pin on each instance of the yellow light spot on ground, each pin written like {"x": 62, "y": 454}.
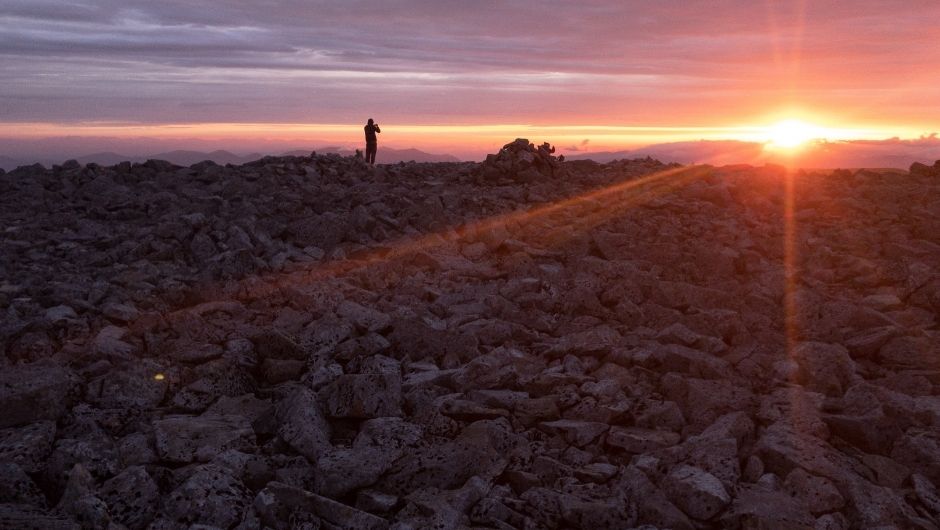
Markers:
{"x": 159, "y": 377}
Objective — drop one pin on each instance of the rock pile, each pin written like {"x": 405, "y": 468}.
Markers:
{"x": 521, "y": 161}
{"x": 305, "y": 342}
{"x": 923, "y": 169}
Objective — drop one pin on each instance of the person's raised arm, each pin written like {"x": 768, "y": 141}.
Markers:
{"x": 377, "y": 128}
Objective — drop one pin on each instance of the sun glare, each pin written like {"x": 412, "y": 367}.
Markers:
{"x": 789, "y": 134}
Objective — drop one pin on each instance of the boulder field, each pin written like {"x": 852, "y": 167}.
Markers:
{"x": 526, "y": 342}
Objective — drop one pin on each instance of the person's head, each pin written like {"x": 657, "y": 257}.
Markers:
{"x": 370, "y": 121}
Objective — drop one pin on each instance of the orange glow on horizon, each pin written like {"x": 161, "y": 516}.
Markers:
{"x": 455, "y": 137}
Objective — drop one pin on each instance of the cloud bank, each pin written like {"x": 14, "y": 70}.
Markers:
{"x": 421, "y": 61}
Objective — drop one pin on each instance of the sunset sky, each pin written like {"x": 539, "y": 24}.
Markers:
{"x": 463, "y": 77}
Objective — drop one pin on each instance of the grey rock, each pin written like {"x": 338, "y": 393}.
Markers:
{"x": 96, "y": 454}
{"x": 696, "y": 492}
{"x": 363, "y": 396}
{"x": 28, "y": 517}
{"x": 819, "y": 495}
{"x": 27, "y": 446}
{"x": 121, "y": 312}
{"x": 16, "y": 487}
{"x": 302, "y": 425}
{"x": 35, "y": 392}
{"x": 599, "y": 472}
{"x": 277, "y": 502}
{"x": 927, "y": 494}
{"x": 375, "y": 502}
{"x": 246, "y": 405}
{"x": 134, "y": 387}
{"x": 110, "y": 343}
{"x": 919, "y": 449}
{"x": 136, "y": 449}
{"x": 184, "y": 439}
{"x": 211, "y": 496}
{"x": 482, "y": 449}
{"x": 635, "y": 440}
{"x": 364, "y": 318}
{"x": 80, "y": 501}
{"x": 653, "y": 507}
{"x": 432, "y": 508}
{"x": 132, "y": 497}
{"x": 577, "y": 433}
{"x": 555, "y": 509}
{"x": 274, "y": 344}
{"x": 60, "y": 313}
{"x": 824, "y": 368}
{"x": 762, "y": 508}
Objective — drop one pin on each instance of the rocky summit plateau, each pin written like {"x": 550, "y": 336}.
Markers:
{"x": 306, "y": 342}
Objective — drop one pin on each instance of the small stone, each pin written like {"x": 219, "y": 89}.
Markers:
{"x": 120, "y": 312}
{"x": 636, "y": 440}
{"x": 577, "y": 433}
{"x": 60, "y": 313}
{"x": 598, "y": 472}
{"x": 375, "y": 502}
{"x": 109, "y": 343}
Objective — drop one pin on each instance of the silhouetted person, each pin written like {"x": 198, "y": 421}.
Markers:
{"x": 372, "y": 144}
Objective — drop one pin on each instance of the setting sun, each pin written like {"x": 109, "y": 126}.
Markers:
{"x": 788, "y": 134}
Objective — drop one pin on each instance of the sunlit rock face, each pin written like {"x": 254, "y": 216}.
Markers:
{"x": 527, "y": 342}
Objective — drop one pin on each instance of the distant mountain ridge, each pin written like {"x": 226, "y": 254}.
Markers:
{"x": 890, "y": 153}
{"x": 385, "y": 155}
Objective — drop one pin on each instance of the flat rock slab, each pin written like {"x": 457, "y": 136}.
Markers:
{"x": 635, "y": 440}
{"x": 278, "y": 501}
{"x": 183, "y": 439}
